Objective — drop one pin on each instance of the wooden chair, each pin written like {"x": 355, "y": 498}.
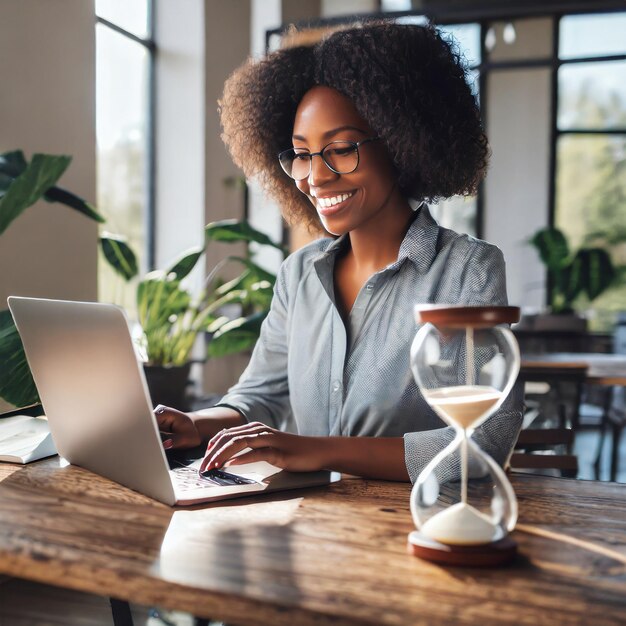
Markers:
{"x": 547, "y": 438}
{"x": 564, "y": 386}
{"x": 531, "y": 441}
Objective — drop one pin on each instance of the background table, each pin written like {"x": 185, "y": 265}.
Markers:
{"x": 602, "y": 369}
{"x": 326, "y": 555}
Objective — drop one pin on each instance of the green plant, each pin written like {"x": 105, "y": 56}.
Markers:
{"x": 23, "y": 183}
{"x": 171, "y": 317}
{"x": 588, "y": 270}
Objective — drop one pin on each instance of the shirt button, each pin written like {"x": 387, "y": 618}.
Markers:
{"x": 336, "y": 386}
{"x": 369, "y": 287}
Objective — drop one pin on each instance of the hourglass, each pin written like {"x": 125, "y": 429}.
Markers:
{"x": 465, "y": 363}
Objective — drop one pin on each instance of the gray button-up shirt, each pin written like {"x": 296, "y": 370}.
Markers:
{"x": 312, "y": 374}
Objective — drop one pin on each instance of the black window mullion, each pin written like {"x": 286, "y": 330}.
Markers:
{"x": 599, "y": 59}
{"x": 150, "y": 217}
{"x": 147, "y": 43}
{"x": 554, "y": 108}
{"x": 591, "y": 131}
{"x": 479, "y": 225}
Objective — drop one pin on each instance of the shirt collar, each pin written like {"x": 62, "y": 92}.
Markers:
{"x": 418, "y": 246}
{"x": 420, "y": 243}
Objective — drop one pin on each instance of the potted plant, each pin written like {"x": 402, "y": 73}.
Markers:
{"x": 172, "y": 317}
{"x": 588, "y": 270}
{"x": 23, "y": 183}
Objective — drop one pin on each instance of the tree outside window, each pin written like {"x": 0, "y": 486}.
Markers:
{"x": 590, "y": 203}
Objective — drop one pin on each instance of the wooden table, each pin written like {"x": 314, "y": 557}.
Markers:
{"x": 602, "y": 369}
{"x": 332, "y": 555}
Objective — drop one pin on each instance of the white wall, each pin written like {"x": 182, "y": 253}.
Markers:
{"x": 264, "y": 214}
{"x": 348, "y": 7}
{"x": 265, "y": 15}
{"x": 517, "y": 185}
{"x": 48, "y": 105}
{"x": 180, "y": 118}
{"x": 227, "y": 45}
{"x": 516, "y": 190}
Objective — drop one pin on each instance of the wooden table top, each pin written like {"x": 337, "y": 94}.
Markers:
{"x": 602, "y": 369}
{"x": 325, "y": 555}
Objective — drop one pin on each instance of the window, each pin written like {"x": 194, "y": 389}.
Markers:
{"x": 124, "y": 99}
{"x": 590, "y": 193}
{"x": 460, "y": 213}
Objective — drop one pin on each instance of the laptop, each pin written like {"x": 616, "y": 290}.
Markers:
{"x": 94, "y": 394}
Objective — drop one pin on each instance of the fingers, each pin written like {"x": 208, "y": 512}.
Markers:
{"x": 179, "y": 440}
{"x": 226, "y": 434}
{"x": 166, "y": 417}
{"x": 232, "y": 444}
{"x": 220, "y": 455}
{"x": 177, "y": 428}
{"x": 235, "y": 430}
{"x": 167, "y": 440}
{"x": 269, "y": 455}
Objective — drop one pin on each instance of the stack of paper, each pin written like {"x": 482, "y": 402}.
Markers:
{"x": 24, "y": 439}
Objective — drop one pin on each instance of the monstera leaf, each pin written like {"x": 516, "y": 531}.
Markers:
{"x": 589, "y": 270}
{"x": 16, "y": 382}
{"x": 597, "y": 271}
{"x": 119, "y": 255}
{"x": 23, "y": 183}
{"x": 183, "y": 266}
{"x": 552, "y": 247}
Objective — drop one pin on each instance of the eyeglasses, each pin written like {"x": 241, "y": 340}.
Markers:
{"x": 341, "y": 157}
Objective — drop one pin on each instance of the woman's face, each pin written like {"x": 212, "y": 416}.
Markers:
{"x": 325, "y": 115}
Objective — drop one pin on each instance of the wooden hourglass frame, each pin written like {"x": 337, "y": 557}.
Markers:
{"x": 458, "y": 533}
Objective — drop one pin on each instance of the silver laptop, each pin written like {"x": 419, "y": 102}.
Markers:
{"x": 95, "y": 397}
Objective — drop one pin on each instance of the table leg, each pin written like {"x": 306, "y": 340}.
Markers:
{"x": 617, "y": 433}
{"x": 121, "y": 612}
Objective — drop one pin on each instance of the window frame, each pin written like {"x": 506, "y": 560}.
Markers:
{"x": 557, "y": 133}
{"x": 149, "y": 43}
{"x": 450, "y": 16}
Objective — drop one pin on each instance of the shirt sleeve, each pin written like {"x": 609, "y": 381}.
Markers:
{"x": 262, "y": 393}
{"x": 483, "y": 283}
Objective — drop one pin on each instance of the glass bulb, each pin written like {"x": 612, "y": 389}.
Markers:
{"x": 465, "y": 367}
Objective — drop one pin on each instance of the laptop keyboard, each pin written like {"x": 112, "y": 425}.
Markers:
{"x": 188, "y": 479}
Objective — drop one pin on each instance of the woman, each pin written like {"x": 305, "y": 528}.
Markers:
{"x": 368, "y": 124}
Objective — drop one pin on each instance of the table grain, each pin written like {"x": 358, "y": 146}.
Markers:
{"x": 327, "y": 555}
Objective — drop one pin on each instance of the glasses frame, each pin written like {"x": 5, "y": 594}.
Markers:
{"x": 356, "y": 144}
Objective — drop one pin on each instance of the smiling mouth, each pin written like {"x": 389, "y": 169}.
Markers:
{"x": 332, "y": 204}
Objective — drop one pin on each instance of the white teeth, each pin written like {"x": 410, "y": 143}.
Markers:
{"x": 328, "y": 202}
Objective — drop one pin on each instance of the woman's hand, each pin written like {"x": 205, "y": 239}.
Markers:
{"x": 177, "y": 427}
{"x": 291, "y": 452}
